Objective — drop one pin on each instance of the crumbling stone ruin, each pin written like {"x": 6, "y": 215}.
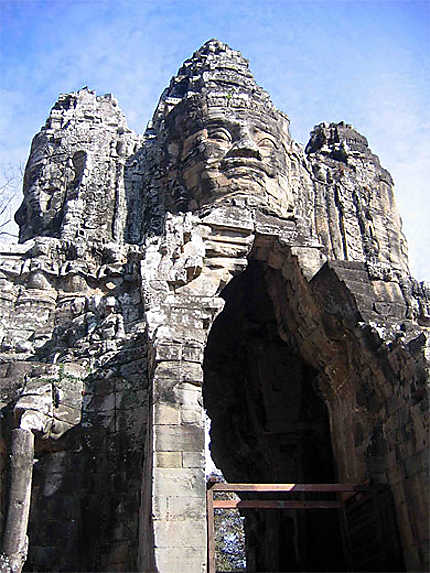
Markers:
{"x": 211, "y": 264}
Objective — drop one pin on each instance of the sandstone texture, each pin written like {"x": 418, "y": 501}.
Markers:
{"x": 209, "y": 265}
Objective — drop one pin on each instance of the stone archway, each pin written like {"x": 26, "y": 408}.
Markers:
{"x": 317, "y": 323}
{"x": 296, "y": 385}
{"x": 269, "y": 425}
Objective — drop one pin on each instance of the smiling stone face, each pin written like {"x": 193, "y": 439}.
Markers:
{"x": 69, "y": 188}
{"x": 46, "y": 178}
{"x": 236, "y": 155}
{"x": 221, "y": 137}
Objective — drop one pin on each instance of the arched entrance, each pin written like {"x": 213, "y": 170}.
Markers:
{"x": 294, "y": 383}
{"x": 270, "y": 425}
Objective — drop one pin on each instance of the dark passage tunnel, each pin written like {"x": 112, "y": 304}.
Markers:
{"x": 269, "y": 425}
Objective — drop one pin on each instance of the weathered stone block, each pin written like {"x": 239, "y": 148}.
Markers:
{"x": 70, "y": 415}
{"x": 166, "y": 414}
{"x": 168, "y": 459}
{"x": 184, "y": 437}
{"x": 192, "y": 372}
{"x": 192, "y": 415}
{"x": 193, "y": 459}
{"x": 189, "y": 319}
{"x": 179, "y": 533}
{"x": 189, "y": 396}
{"x": 225, "y": 249}
{"x": 165, "y": 352}
{"x": 209, "y": 282}
{"x": 101, "y": 403}
{"x": 388, "y": 291}
{"x": 178, "y": 508}
{"x": 390, "y": 309}
{"x": 181, "y": 333}
{"x": 180, "y": 482}
{"x": 179, "y": 560}
{"x": 74, "y": 370}
{"x": 186, "y": 508}
{"x": 170, "y": 370}
{"x": 40, "y": 403}
{"x": 130, "y": 400}
{"x": 192, "y": 354}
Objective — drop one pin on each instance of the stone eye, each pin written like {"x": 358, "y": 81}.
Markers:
{"x": 220, "y": 134}
{"x": 267, "y": 144}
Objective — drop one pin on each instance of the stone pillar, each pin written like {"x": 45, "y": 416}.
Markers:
{"x": 15, "y": 541}
{"x": 181, "y": 297}
{"x": 179, "y": 487}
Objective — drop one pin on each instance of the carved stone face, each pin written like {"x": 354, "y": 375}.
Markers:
{"x": 220, "y": 153}
{"x": 45, "y": 182}
{"x": 51, "y": 172}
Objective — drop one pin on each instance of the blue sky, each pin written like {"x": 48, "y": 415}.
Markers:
{"x": 366, "y": 62}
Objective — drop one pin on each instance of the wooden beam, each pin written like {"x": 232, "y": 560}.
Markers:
{"x": 274, "y": 504}
{"x": 211, "y": 530}
{"x": 277, "y": 488}
{"x": 288, "y": 487}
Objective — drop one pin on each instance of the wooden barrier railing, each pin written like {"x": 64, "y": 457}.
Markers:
{"x": 275, "y": 488}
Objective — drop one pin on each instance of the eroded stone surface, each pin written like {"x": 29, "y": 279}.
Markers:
{"x": 211, "y": 263}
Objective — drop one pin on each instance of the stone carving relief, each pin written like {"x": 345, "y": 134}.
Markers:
{"x": 211, "y": 259}
{"x": 221, "y": 154}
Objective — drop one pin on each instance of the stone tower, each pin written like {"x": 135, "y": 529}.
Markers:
{"x": 215, "y": 265}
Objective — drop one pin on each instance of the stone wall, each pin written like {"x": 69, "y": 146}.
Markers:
{"x": 74, "y": 359}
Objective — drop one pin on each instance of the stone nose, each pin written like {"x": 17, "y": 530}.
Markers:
{"x": 244, "y": 147}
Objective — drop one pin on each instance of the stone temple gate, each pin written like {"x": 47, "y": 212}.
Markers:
{"x": 209, "y": 265}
